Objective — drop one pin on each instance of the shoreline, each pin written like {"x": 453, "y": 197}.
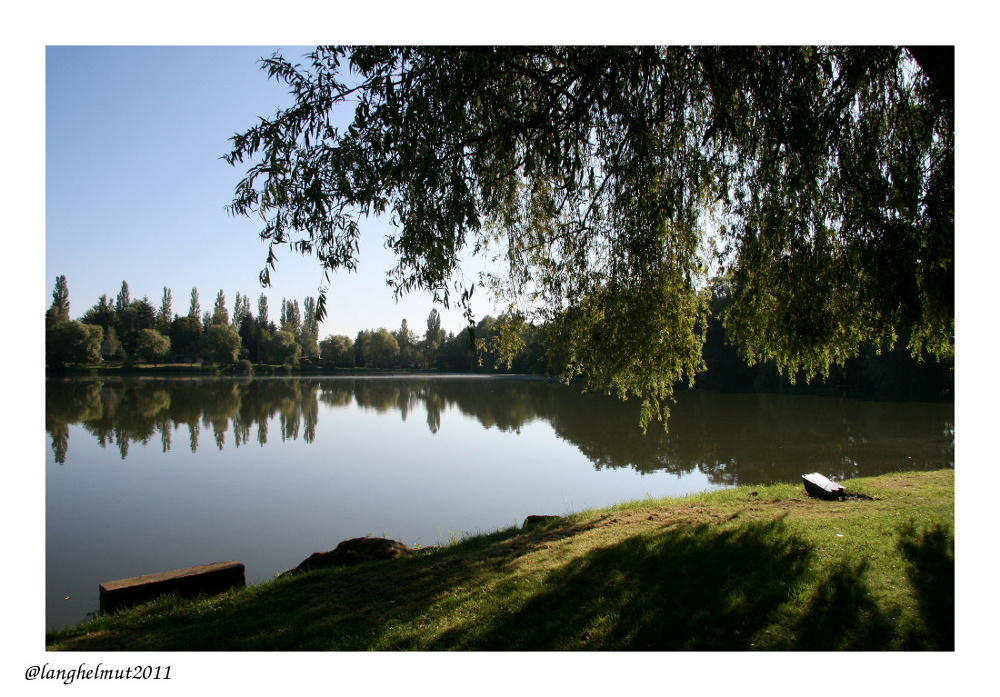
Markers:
{"x": 774, "y": 550}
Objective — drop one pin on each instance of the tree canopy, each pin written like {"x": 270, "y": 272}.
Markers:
{"x": 152, "y": 346}
{"x": 221, "y": 344}
{"x": 610, "y": 184}
{"x": 73, "y": 343}
{"x": 281, "y": 347}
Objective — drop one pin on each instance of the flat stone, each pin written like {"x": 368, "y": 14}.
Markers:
{"x": 190, "y": 581}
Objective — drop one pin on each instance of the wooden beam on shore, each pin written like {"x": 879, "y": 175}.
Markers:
{"x": 206, "y": 578}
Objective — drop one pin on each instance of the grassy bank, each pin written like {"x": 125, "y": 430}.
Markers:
{"x": 744, "y": 569}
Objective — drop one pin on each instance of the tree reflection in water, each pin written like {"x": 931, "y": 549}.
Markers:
{"x": 731, "y": 438}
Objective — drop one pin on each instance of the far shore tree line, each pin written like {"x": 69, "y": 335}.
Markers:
{"x": 130, "y": 331}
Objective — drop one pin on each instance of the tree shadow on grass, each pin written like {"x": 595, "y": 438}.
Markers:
{"x": 840, "y": 615}
{"x": 694, "y": 587}
{"x": 699, "y": 587}
{"x": 930, "y": 553}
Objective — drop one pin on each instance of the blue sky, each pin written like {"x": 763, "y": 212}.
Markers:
{"x": 136, "y": 189}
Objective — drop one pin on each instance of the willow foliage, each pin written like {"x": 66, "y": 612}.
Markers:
{"x": 608, "y": 183}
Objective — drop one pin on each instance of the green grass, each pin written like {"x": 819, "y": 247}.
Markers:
{"x": 742, "y": 569}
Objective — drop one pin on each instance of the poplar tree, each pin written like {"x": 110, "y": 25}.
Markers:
{"x": 59, "y": 310}
{"x": 291, "y": 316}
{"x": 123, "y": 301}
{"x": 166, "y": 310}
{"x": 309, "y": 332}
{"x": 434, "y": 336}
{"x": 195, "y": 308}
{"x": 309, "y": 317}
{"x": 262, "y": 318}
{"x": 241, "y": 309}
{"x": 220, "y": 315}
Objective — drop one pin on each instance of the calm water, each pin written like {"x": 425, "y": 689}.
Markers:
{"x": 147, "y": 475}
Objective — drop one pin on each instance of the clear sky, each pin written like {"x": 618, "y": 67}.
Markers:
{"x": 136, "y": 190}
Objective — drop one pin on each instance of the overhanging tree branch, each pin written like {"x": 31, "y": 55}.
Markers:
{"x": 824, "y": 163}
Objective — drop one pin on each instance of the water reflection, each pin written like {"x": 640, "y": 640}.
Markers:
{"x": 730, "y": 438}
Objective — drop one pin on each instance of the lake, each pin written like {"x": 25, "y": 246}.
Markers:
{"x": 149, "y": 474}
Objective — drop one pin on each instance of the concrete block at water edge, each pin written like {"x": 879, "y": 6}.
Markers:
{"x": 206, "y": 578}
